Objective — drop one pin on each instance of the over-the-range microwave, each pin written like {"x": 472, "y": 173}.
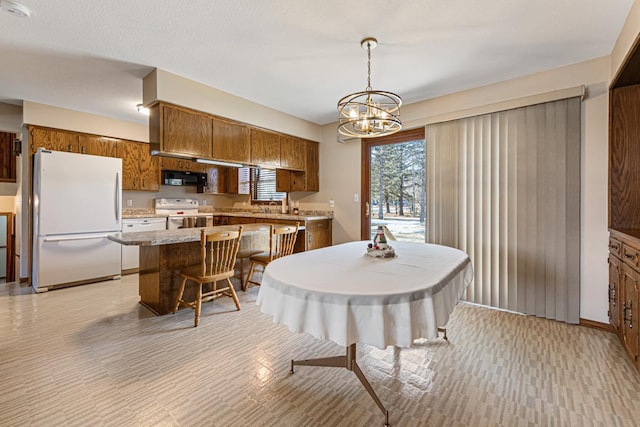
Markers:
{"x": 181, "y": 178}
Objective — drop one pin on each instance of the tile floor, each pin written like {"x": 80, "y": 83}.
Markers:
{"x": 92, "y": 356}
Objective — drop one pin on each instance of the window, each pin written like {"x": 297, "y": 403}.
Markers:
{"x": 263, "y": 184}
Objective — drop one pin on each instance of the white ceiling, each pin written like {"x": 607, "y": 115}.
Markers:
{"x": 296, "y": 56}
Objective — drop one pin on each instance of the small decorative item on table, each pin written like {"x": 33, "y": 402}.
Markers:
{"x": 379, "y": 248}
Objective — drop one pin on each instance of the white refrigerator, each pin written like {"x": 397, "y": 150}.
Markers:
{"x": 76, "y": 205}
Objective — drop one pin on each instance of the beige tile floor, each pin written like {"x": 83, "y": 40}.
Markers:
{"x": 91, "y": 356}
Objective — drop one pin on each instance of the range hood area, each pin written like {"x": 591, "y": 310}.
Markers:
{"x": 185, "y": 178}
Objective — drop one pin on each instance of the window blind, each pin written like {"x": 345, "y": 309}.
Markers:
{"x": 505, "y": 188}
{"x": 263, "y": 185}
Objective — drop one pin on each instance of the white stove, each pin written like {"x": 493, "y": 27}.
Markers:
{"x": 183, "y": 213}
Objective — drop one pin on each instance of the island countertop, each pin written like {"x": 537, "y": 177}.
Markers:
{"x": 182, "y": 235}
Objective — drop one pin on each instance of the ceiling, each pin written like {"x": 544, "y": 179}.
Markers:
{"x": 296, "y": 56}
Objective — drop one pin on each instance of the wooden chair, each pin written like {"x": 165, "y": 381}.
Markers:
{"x": 281, "y": 243}
{"x": 218, "y": 253}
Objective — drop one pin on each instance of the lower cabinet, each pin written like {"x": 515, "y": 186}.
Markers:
{"x": 318, "y": 234}
{"x": 624, "y": 290}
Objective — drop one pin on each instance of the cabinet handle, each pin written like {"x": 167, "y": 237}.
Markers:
{"x": 629, "y": 256}
{"x": 70, "y": 148}
{"x": 84, "y": 151}
{"x": 134, "y": 182}
{"x": 630, "y": 315}
{"x": 614, "y": 247}
{"x": 142, "y": 186}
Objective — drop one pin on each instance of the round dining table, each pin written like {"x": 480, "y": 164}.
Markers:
{"x": 341, "y": 294}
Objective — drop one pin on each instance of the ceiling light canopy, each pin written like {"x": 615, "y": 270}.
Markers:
{"x": 15, "y": 8}
{"x": 371, "y": 113}
{"x": 143, "y": 110}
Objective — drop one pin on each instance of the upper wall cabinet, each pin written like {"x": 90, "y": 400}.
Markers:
{"x": 312, "y": 167}
{"x": 265, "y": 148}
{"x": 292, "y": 152}
{"x": 140, "y": 170}
{"x": 53, "y": 139}
{"x": 97, "y": 145}
{"x": 231, "y": 141}
{"x": 179, "y": 131}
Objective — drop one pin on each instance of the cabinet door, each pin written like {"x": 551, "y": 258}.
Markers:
{"x": 140, "y": 170}
{"x": 293, "y": 152}
{"x": 216, "y": 179}
{"x": 53, "y": 140}
{"x": 7, "y": 157}
{"x": 98, "y": 145}
{"x": 283, "y": 180}
{"x": 186, "y": 133}
{"x": 615, "y": 297}
{"x": 232, "y": 180}
{"x": 231, "y": 142}
{"x": 265, "y": 148}
{"x": 149, "y": 168}
{"x": 318, "y": 234}
{"x": 312, "y": 167}
{"x": 630, "y": 283}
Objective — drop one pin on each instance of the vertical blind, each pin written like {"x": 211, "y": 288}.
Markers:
{"x": 505, "y": 188}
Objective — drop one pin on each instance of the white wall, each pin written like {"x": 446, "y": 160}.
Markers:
{"x": 340, "y": 163}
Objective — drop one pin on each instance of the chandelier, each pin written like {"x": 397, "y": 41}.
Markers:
{"x": 371, "y": 113}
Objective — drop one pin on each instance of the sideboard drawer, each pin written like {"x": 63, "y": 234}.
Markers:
{"x": 630, "y": 255}
{"x": 615, "y": 247}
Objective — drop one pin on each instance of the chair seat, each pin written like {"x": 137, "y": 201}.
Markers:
{"x": 193, "y": 273}
{"x": 262, "y": 257}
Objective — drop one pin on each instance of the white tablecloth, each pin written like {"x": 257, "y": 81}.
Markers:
{"x": 339, "y": 293}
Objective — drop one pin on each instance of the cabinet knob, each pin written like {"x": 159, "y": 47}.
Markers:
{"x": 84, "y": 150}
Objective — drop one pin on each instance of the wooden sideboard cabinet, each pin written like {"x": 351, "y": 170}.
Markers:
{"x": 624, "y": 289}
{"x": 624, "y": 202}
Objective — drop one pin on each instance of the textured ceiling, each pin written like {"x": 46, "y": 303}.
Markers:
{"x": 296, "y": 56}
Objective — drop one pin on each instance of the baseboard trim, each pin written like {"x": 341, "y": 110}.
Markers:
{"x": 596, "y": 325}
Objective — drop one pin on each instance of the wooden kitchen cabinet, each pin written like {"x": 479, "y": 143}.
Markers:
{"x": 292, "y": 152}
{"x": 98, "y": 145}
{"x": 180, "y": 131}
{"x": 231, "y": 142}
{"x": 177, "y": 164}
{"x": 7, "y": 157}
{"x": 318, "y": 234}
{"x": 140, "y": 170}
{"x": 312, "y": 167}
{"x": 288, "y": 180}
{"x": 265, "y": 148}
{"x": 53, "y": 139}
{"x": 222, "y": 180}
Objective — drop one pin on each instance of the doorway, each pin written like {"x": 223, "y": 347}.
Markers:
{"x": 394, "y": 185}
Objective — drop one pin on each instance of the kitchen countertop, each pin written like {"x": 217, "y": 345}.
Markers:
{"x": 302, "y": 217}
{"x": 182, "y": 235}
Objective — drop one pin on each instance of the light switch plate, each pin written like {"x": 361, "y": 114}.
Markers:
{"x": 332, "y": 203}
{"x": 356, "y": 197}
{"x": 129, "y": 203}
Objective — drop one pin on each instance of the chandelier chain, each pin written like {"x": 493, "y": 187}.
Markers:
{"x": 368, "y": 66}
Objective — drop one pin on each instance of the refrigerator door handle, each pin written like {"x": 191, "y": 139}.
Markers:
{"x": 117, "y": 198}
{"x": 69, "y": 239}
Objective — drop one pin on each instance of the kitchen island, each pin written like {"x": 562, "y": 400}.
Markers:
{"x": 164, "y": 253}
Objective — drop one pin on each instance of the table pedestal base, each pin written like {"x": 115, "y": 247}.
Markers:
{"x": 347, "y": 361}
